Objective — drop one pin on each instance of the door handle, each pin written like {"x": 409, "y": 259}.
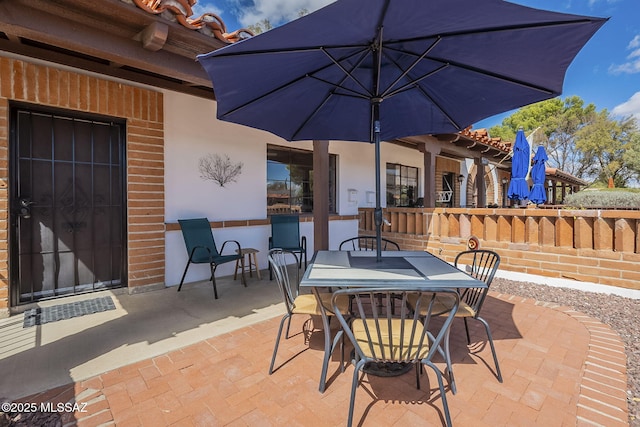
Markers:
{"x": 25, "y": 208}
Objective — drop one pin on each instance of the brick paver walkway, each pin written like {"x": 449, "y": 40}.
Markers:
{"x": 560, "y": 368}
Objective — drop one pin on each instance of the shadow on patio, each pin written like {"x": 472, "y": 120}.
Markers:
{"x": 547, "y": 355}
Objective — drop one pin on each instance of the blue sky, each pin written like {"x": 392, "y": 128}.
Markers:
{"x": 606, "y": 72}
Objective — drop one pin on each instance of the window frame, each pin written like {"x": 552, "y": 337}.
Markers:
{"x": 292, "y": 186}
{"x": 401, "y": 189}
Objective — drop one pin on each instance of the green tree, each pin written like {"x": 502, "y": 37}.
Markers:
{"x": 554, "y": 124}
{"x": 260, "y": 27}
{"x": 605, "y": 144}
{"x": 632, "y": 155}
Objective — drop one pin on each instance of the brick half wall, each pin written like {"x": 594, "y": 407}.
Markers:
{"x": 585, "y": 245}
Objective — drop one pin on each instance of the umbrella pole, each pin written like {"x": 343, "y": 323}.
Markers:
{"x": 378, "y": 211}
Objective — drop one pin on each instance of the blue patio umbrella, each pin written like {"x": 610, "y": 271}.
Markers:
{"x": 538, "y": 193}
{"x": 520, "y": 162}
{"x": 394, "y": 68}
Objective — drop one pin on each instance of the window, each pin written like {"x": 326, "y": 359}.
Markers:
{"x": 290, "y": 180}
{"x": 402, "y": 185}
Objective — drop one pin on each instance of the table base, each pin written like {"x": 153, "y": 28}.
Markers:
{"x": 387, "y": 369}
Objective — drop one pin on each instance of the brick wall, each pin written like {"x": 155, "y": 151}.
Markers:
{"x": 586, "y": 245}
{"x": 43, "y": 85}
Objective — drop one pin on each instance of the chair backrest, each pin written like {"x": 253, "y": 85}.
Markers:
{"x": 388, "y": 330}
{"x": 481, "y": 264}
{"x": 197, "y": 234}
{"x": 367, "y": 243}
{"x": 278, "y": 261}
{"x": 285, "y": 231}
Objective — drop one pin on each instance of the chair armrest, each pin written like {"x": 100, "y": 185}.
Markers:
{"x": 304, "y": 243}
{"x": 193, "y": 251}
{"x": 231, "y": 241}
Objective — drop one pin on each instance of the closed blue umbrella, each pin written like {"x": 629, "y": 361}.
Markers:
{"x": 392, "y": 68}
{"x": 538, "y": 193}
{"x": 520, "y": 161}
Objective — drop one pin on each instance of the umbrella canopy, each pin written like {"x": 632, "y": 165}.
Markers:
{"x": 520, "y": 161}
{"x": 538, "y": 194}
{"x": 395, "y": 68}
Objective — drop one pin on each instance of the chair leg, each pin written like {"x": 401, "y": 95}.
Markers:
{"x": 329, "y": 348}
{"x": 244, "y": 278}
{"x": 275, "y": 348}
{"x": 443, "y": 396}
{"x": 493, "y": 348}
{"x": 286, "y": 335}
{"x": 466, "y": 327}
{"x": 447, "y": 356}
{"x": 213, "y": 280}
{"x": 255, "y": 264}
{"x": 354, "y": 385}
{"x": 342, "y": 354}
{"x": 235, "y": 272}
{"x": 184, "y": 275}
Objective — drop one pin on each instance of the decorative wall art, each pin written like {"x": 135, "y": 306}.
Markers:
{"x": 219, "y": 169}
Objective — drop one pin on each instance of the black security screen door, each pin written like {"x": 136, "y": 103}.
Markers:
{"x": 67, "y": 205}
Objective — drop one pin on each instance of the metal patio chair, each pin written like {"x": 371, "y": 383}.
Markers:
{"x": 285, "y": 234}
{"x": 318, "y": 304}
{"x": 481, "y": 264}
{"x": 367, "y": 243}
{"x": 393, "y": 332}
{"x": 202, "y": 249}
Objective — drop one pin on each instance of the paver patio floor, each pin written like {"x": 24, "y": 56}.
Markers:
{"x": 560, "y": 368}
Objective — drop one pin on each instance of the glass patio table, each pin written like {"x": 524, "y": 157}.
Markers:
{"x": 352, "y": 269}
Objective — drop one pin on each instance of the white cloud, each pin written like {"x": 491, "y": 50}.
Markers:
{"x": 632, "y": 65}
{"x": 201, "y": 8}
{"x": 629, "y": 108}
{"x": 278, "y": 11}
{"x": 592, "y": 3}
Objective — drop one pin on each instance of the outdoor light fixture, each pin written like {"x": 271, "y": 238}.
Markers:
{"x": 460, "y": 178}
{"x": 504, "y": 181}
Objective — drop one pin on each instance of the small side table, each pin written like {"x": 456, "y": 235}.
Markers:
{"x": 251, "y": 262}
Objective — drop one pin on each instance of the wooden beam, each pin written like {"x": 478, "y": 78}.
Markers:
{"x": 320, "y": 195}
{"x": 429, "y": 160}
{"x": 105, "y": 69}
{"x": 154, "y": 36}
{"x": 480, "y": 183}
{"x": 58, "y": 31}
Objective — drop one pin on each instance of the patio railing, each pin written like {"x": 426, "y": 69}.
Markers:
{"x": 599, "y": 246}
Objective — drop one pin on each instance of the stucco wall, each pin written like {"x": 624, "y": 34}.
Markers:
{"x": 191, "y": 131}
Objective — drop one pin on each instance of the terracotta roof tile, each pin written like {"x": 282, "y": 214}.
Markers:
{"x": 181, "y": 12}
{"x": 482, "y": 136}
